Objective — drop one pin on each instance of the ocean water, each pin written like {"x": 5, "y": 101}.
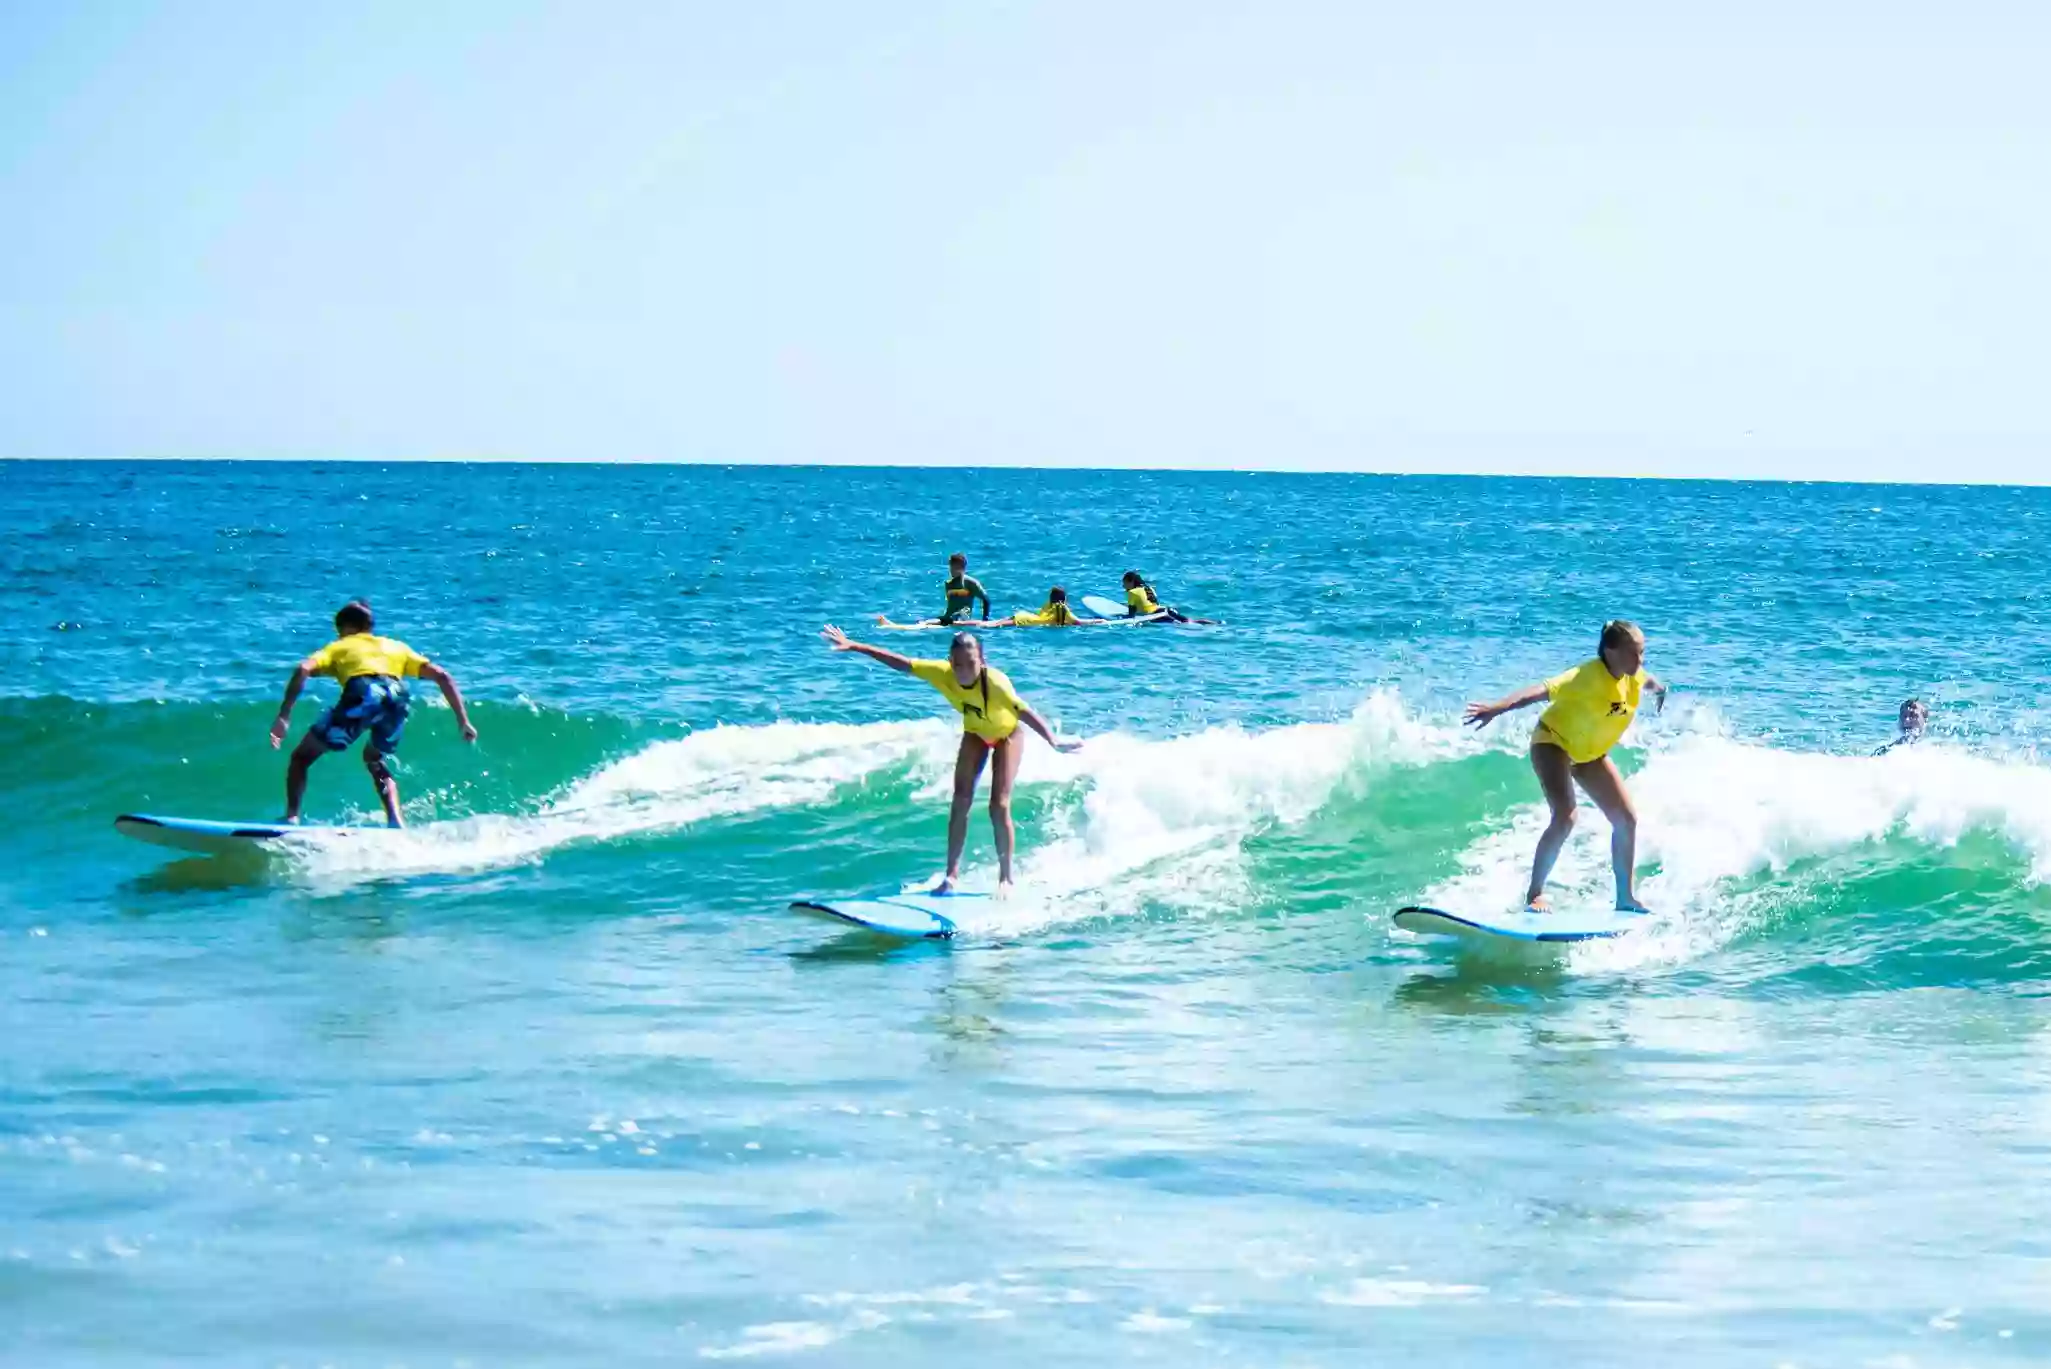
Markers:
{"x": 554, "y": 1078}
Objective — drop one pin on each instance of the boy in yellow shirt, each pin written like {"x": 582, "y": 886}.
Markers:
{"x": 372, "y": 671}
{"x": 1591, "y": 705}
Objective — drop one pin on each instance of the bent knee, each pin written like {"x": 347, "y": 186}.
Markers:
{"x": 1000, "y": 808}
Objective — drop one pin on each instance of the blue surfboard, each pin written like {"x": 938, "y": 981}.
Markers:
{"x": 205, "y": 837}
{"x": 1560, "y": 927}
{"x": 915, "y": 916}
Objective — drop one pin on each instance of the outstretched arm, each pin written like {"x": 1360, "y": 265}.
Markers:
{"x": 1481, "y": 715}
{"x": 292, "y": 688}
{"x": 840, "y": 641}
{"x": 431, "y": 671}
{"x": 1039, "y": 725}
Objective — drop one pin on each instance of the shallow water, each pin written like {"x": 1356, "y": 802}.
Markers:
{"x": 553, "y": 1078}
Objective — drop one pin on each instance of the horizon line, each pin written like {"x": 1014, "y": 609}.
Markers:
{"x": 1283, "y": 469}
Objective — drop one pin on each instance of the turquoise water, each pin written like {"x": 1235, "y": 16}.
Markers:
{"x": 554, "y": 1079}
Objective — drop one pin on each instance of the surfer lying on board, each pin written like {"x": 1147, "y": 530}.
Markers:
{"x": 1056, "y": 612}
{"x": 372, "y": 671}
{"x": 990, "y": 714}
{"x": 1141, "y": 603}
{"x": 1914, "y": 721}
{"x": 1592, "y": 704}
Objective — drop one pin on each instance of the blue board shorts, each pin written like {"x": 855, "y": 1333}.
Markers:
{"x": 377, "y": 703}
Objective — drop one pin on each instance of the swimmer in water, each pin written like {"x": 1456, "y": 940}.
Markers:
{"x": 1914, "y": 720}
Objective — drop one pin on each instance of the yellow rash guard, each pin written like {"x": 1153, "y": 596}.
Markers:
{"x": 1051, "y": 614}
{"x": 1141, "y": 601}
{"x": 1589, "y": 711}
{"x": 361, "y": 653}
{"x": 989, "y": 707}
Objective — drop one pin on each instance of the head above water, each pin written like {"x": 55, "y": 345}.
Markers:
{"x": 1133, "y": 579}
{"x": 1914, "y": 715}
{"x": 957, "y": 563}
{"x": 1057, "y": 595}
{"x": 1622, "y": 647}
{"x": 965, "y": 654}
{"x": 354, "y": 617}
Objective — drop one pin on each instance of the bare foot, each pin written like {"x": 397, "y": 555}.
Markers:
{"x": 945, "y": 886}
{"x": 1632, "y": 905}
{"x": 1004, "y": 888}
{"x": 1538, "y": 904}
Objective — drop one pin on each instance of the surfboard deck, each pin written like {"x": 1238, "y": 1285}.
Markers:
{"x": 1102, "y": 607}
{"x": 913, "y": 916}
{"x": 1115, "y": 612}
{"x": 1559, "y": 927}
{"x": 207, "y": 837}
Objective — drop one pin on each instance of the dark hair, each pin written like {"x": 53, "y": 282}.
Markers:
{"x": 1133, "y": 577}
{"x": 957, "y": 560}
{"x": 983, "y": 675}
{"x": 354, "y": 616}
{"x": 1057, "y": 595}
{"x": 1618, "y": 631}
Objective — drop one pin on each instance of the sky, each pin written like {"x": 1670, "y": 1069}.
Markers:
{"x": 1747, "y": 240}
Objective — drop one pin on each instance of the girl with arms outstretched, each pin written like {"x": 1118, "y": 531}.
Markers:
{"x": 991, "y": 712}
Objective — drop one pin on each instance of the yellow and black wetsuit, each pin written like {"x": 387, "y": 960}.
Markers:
{"x": 1141, "y": 603}
{"x": 963, "y": 591}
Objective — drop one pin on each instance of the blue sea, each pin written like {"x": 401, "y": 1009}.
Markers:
{"x": 555, "y": 1078}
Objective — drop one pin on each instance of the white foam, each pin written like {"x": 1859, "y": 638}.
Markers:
{"x": 1163, "y": 823}
{"x": 720, "y": 772}
{"x": 1399, "y": 1293}
{"x": 775, "y": 1338}
{"x": 1153, "y": 822}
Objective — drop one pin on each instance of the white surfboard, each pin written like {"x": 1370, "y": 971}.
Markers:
{"x": 1102, "y": 607}
{"x": 205, "y": 837}
{"x": 915, "y": 916}
{"x": 1559, "y": 927}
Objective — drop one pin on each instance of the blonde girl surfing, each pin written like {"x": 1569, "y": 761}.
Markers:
{"x": 1590, "y": 706}
{"x": 990, "y": 713}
